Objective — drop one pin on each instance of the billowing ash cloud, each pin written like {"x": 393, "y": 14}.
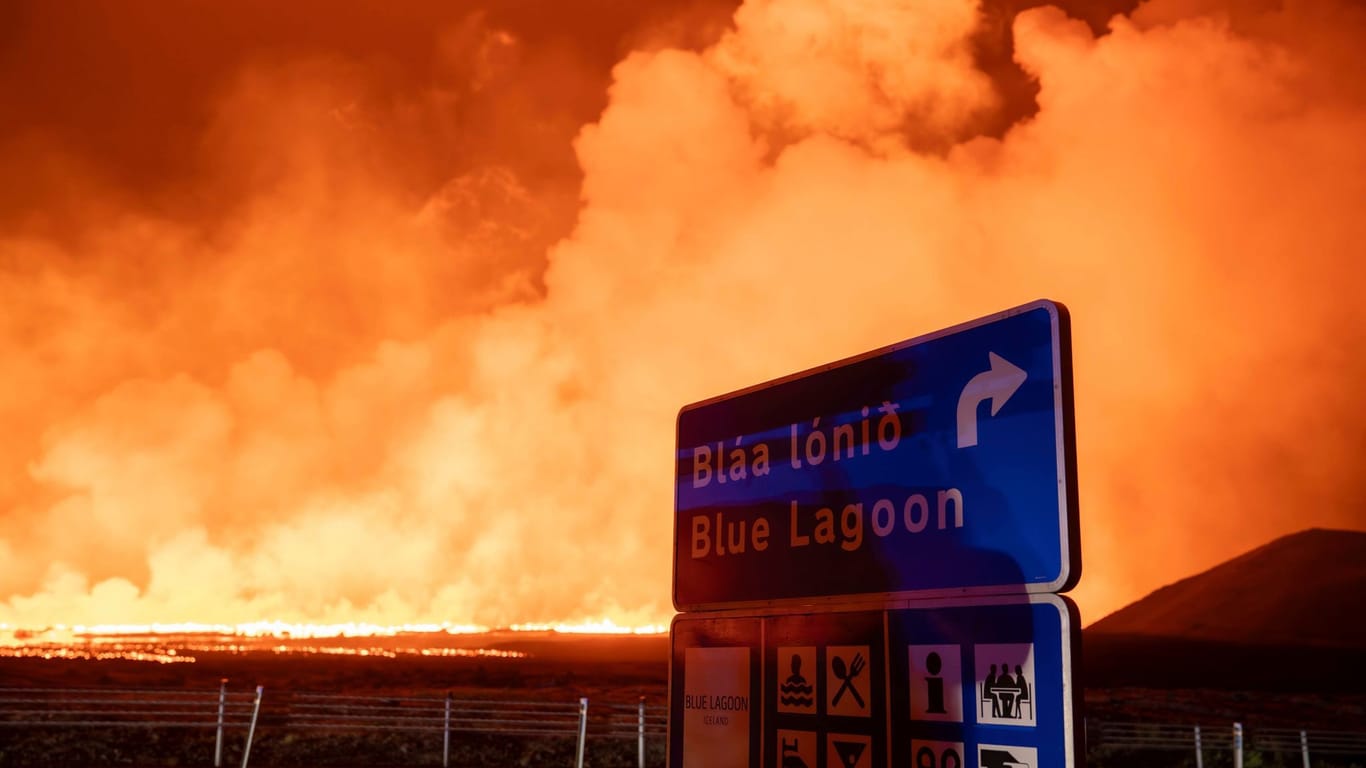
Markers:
{"x": 353, "y": 331}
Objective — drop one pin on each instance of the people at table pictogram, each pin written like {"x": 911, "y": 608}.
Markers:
{"x": 1005, "y": 693}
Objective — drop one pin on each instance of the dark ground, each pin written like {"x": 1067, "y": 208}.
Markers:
{"x": 1128, "y": 679}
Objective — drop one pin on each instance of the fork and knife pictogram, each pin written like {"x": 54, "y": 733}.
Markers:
{"x": 847, "y": 674}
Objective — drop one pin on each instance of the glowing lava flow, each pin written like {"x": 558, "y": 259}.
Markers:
{"x": 49, "y": 652}
{"x": 176, "y": 643}
{"x": 273, "y": 629}
{"x": 600, "y": 627}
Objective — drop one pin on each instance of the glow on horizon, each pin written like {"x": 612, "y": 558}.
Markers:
{"x": 11, "y": 635}
{"x": 600, "y": 627}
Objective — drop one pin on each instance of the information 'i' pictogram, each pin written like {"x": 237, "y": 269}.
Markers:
{"x": 936, "y": 683}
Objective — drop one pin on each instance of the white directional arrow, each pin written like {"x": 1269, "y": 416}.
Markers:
{"x": 998, "y": 383}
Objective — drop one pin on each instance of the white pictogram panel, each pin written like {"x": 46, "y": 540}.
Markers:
{"x": 796, "y": 749}
{"x": 936, "y": 683}
{"x": 845, "y": 750}
{"x": 1005, "y": 683}
{"x": 846, "y": 680}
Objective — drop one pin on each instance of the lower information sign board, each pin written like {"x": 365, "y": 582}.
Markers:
{"x": 979, "y": 683}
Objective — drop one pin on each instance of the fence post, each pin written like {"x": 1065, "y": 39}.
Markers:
{"x": 1199, "y": 752}
{"x": 583, "y": 730}
{"x": 218, "y": 742}
{"x": 1237, "y": 745}
{"x": 446, "y": 736}
{"x": 640, "y": 734}
{"x": 1304, "y": 747}
{"x": 251, "y": 729}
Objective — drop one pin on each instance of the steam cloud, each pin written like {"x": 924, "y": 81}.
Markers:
{"x": 337, "y": 328}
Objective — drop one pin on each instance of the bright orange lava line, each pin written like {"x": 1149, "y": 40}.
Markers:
{"x": 283, "y": 629}
{"x": 176, "y": 643}
{"x": 602, "y": 627}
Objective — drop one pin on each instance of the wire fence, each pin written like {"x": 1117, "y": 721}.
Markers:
{"x": 233, "y": 717}
{"x": 240, "y": 713}
{"x": 1233, "y": 739}
{"x": 66, "y": 708}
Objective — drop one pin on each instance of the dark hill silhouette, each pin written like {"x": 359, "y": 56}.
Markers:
{"x": 1308, "y": 588}
{"x": 1290, "y": 615}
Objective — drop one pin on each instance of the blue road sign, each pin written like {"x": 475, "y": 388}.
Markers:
{"x": 976, "y": 683}
{"x": 943, "y": 465}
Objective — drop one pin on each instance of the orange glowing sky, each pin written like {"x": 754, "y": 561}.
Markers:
{"x": 376, "y": 312}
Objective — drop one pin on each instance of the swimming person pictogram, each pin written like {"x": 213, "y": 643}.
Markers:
{"x": 796, "y": 691}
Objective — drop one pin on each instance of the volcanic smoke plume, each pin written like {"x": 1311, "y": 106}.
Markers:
{"x": 348, "y": 314}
